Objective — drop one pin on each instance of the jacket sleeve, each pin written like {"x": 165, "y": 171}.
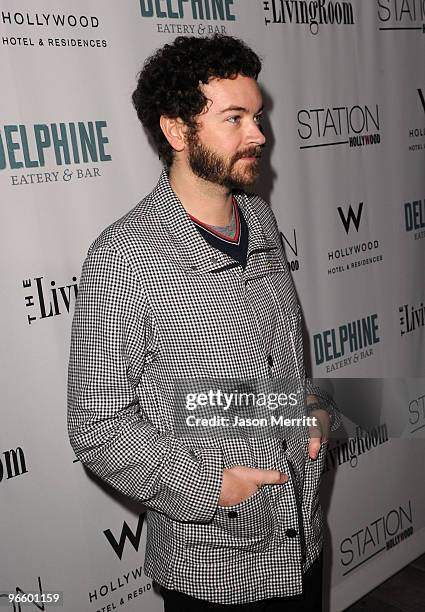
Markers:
{"x": 312, "y": 387}
{"x": 109, "y": 343}
{"x": 325, "y": 401}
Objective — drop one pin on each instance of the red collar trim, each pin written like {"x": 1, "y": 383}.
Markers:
{"x": 219, "y": 234}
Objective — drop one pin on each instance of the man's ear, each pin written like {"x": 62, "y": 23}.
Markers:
{"x": 174, "y": 130}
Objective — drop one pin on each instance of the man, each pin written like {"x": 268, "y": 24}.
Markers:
{"x": 190, "y": 292}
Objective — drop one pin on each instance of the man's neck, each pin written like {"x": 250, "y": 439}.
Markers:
{"x": 206, "y": 201}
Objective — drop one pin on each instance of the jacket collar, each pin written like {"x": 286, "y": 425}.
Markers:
{"x": 192, "y": 251}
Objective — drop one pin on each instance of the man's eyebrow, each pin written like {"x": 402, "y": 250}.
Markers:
{"x": 240, "y": 109}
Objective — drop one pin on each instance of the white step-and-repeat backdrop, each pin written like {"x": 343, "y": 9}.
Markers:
{"x": 344, "y": 89}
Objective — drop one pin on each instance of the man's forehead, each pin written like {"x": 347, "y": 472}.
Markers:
{"x": 240, "y": 93}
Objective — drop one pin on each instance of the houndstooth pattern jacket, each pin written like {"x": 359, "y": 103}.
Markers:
{"x": 157, "y": 305}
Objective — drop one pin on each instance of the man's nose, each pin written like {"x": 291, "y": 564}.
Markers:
{"x": 255, "y": 134}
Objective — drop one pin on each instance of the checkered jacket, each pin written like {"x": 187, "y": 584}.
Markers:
{"x": 159, "y": 307}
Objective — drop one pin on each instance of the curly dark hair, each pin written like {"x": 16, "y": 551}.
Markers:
{"x": 168, "y": 83}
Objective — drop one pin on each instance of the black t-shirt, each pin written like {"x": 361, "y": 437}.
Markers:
{"x": 236, "y": 246}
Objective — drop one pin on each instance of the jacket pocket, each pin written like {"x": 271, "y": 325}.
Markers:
{"x": 248, "y": 525}
{"x": 251, "y": 519}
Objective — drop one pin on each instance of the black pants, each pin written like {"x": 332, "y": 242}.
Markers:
{"x": 309, "y": 601}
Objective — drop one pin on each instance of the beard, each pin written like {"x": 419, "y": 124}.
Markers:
{"x": 222, "y": 170}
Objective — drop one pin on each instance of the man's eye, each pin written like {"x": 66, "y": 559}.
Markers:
{"x": 234, "y": 119}
{"x": 258, "y": 118}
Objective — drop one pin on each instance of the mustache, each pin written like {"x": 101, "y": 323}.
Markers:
{"x": 251, "y": 152}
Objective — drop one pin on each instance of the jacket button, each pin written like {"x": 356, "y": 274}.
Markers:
{"x": 270, "y": 360}
{"x": 291, "y": 533}
{"x": 232, "y": 514}
{"x": 284, "y": 445}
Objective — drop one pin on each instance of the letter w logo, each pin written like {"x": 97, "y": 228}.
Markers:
{"x": 125, "y": 533}
{"x": 346, "y": 220}
{"x": 421, "y": 95}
